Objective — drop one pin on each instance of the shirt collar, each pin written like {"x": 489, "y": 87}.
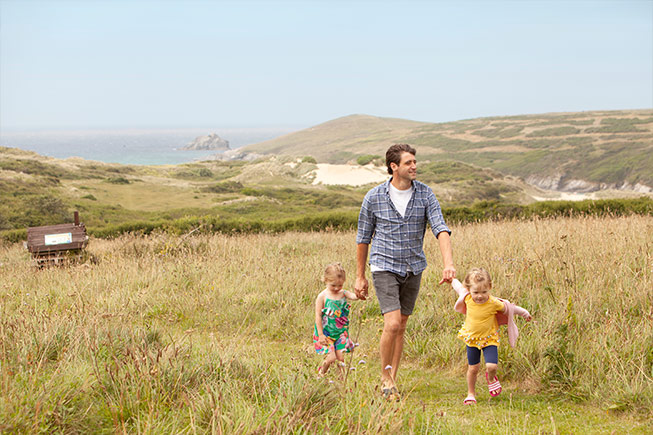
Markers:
{"x": 386, "y": 185}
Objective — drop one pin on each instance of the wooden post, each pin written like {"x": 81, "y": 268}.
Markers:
{"x": 76, "y": 218}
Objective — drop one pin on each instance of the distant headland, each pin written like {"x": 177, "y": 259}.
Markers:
{"x": 210, "y": 142}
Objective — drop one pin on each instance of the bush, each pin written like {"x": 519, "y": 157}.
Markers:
{"x": 341, "y": 221}
{"x": 367, "y": 158}
{"x": 14, "y": 236}
{"x": 309, "y": 159}
{"x": 118, "y": 180}
{"x": 224, "y": 187}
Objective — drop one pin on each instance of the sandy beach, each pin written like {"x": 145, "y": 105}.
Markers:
{"x": 566, "y": 196}
{"x": 350, "y": 175}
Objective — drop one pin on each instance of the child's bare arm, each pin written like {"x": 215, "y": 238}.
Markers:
{"x": 458, "y": 287}
{"x": 319, "y": 305}
{"x": 523, "y": 312}
{"x": 351, "y": 296}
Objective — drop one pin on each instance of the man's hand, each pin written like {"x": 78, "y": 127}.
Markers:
{"x": 448, "y": 274}
{"x": 360, "y": 288}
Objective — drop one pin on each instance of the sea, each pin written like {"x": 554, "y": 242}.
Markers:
{"x": 135, "y": 146}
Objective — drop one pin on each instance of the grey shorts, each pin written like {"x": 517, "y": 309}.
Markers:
{"x": 396, "y": 292}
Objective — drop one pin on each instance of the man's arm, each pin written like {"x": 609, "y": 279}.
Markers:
{"x": 442, "y": 233}
{"x": 448, "y": 271}
{"x": 361, "y": 285}
{"x": 366, "y": 227}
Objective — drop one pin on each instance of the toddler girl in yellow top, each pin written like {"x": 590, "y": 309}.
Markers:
{"x": 480, "y": 332}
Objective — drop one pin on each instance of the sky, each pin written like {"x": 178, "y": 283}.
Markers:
{"x": 118, "y": 64}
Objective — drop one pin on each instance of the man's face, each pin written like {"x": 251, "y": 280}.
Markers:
{"x": 407, "y": 167}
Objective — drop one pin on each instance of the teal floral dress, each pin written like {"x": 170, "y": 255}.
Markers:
{"x": 335, "y": 319}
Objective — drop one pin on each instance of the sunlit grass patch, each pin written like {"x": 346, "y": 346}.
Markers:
{"x": 211, "y": 333}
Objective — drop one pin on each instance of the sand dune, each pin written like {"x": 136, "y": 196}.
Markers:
{"x": 350, "y": 175}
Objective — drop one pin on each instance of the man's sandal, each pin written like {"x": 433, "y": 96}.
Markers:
{"x": 469, "y": 400}
{"x": 390, "y": 393}
{"x": 494, "y": 386}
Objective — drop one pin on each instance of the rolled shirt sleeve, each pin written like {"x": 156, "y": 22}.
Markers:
{"x": 366, "y": 222}
{"x": 434, "y": 215}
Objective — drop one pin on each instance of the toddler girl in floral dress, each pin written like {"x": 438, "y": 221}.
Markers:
{"x": 330, "y": 334}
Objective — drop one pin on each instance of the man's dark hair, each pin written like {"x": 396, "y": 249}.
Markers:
{"x": 393, "y": 155}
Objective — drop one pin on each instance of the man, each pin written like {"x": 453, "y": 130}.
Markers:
{"x": 393, "y": 219}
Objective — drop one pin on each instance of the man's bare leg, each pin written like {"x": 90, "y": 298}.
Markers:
{"x": 391, "y": 345}
{"x": 398, "y": 347}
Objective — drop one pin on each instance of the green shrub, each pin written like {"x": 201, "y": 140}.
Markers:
{"x": 367, "y": 158}
{"x": 193, "y": 173}
{"x": 309, "y": 159}
{"x": 121, "y": 169}
{"x": 224, "y": 187}
{"x": 14, "y": 236}
{"x": 35, "y": 167}
{"x": 261, "y": 221}
{"x": 118, "y": 180}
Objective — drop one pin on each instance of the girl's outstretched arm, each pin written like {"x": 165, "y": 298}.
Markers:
{"x": 523, "y": 312}
{"x": 458, "y": 287}
{"x": 351, "y": 296}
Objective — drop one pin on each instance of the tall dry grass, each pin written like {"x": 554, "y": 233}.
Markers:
{"x": 211, "y": 333}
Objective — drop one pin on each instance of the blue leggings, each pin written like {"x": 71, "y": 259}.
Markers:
{"x": 490, "y": 353}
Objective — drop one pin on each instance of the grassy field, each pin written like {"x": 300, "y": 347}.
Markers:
{"x": 212, "y": 334}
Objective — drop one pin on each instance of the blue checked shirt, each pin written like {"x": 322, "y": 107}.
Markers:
{"x": 397, "y": 242}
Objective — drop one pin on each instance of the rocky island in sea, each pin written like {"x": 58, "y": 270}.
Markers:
{"x": 210, "y": 142}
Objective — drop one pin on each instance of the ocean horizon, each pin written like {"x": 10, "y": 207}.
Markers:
{"x": 133, "y": 146}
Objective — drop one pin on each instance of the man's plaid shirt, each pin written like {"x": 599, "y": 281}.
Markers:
{"x": 397, "y": 241}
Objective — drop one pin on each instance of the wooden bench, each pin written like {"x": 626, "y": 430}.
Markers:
{"x": 57, "y": 244}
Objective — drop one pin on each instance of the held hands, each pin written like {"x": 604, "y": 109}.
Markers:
{"x": 323, "y": 340}
{"x": 360, "y": 288}
{"x": 448, "y": 274}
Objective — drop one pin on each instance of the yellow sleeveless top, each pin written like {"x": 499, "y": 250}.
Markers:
{"x": 481, "y": 328}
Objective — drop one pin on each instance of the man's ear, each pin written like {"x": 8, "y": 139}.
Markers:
{"x": 394, "y": 166}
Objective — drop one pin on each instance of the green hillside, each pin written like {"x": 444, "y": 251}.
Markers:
{"x": 581, "y": 151}
{"x": 341, "y": 139}
{"x": 37, "y": 190}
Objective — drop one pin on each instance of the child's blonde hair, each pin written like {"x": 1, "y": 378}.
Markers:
{"x": 333, "y": 272}
{"x": 478, "y": 277}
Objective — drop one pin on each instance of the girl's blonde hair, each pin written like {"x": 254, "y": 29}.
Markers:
{"x": 478, "y": 277}
{"x": 333, "y": 272}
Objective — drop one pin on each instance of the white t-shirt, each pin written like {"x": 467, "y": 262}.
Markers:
{"x": 400, "y": 199}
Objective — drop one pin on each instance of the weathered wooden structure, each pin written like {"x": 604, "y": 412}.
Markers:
{"x": 57, "y": 244}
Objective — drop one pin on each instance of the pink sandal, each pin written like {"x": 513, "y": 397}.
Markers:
{"x": 469, "y": 400}
{"x": 494, "y": 386}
